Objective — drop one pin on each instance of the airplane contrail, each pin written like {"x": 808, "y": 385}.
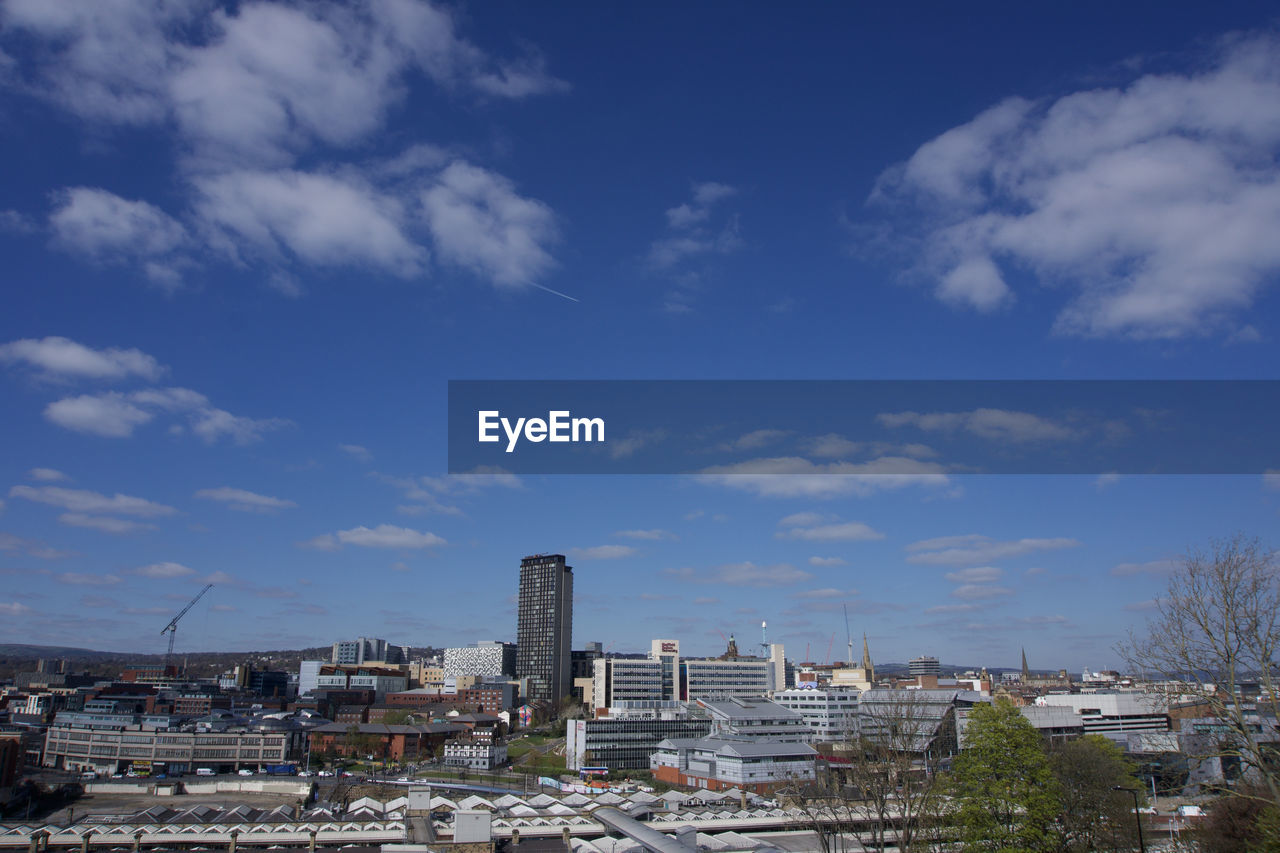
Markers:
{"x": 556, "y": 292}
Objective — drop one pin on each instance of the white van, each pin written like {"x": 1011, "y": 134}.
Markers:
{"x": 206, "y": 771}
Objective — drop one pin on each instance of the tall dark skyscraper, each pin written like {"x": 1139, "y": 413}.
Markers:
{"x": 544, "y": 632}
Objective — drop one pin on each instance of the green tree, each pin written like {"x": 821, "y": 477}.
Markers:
{"x": 1006, "y": 796}
{"x": 1095, "y": 816}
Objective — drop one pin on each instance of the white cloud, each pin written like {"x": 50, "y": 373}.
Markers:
{"x": 107, "y": 228}
{"x": 696, "y": 231}
{"x": 243, "y": 500}
{"x": 847, "y": 531}
{"x": 1154, "y": 567}
{"x": 1154, "y": 204}
{"x": 263, "y": 81}
{"x": 755, "y": 439}
{"x": 356, "y": 452}
{"x": 117, "y": 415}
{"x": 79, "y": 579}
{"x": 321, "y": 220}
{"x": 975, "y": 548}
{"x": 792, "y": 476}
{"x": 822, "y": 594}
{"x": 39, "y": 550}
{"x": 479, "y": 222}
{"x": 975, "y": 591}
{"x": 993, "y": 424}
{"x": 109, "y": 415}
{"x": 650, "y": 535}
{"x": 952, "y": 608}
{"x": 802, "y": 519}
{"x": 697, "y": 210}
{"x": 160, "y": 571}
{"x": 827, "y": 562}
{"x": 604, "y": 552}
{"x": 81, "y": 500}
{"x": 1143, "y": 606}
{"x": 382, "y": 536}
{"x": 1106, "y": 481}
{"x": 110, "y": 59}
{"x": 47, "y": 475}
{"x": 254, "y": 88}
{"x": 103, "y": 523}
{"x": 62, "y": 358}
{"x": 743, "y": 574}
{"x": 985, "y": 574}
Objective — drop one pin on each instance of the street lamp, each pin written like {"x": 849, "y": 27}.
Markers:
{"x": 1137, "y": 816}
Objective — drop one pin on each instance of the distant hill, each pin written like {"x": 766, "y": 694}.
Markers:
{"x": 20, "y": 657}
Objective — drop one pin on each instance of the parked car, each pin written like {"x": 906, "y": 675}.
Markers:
{"x": 245, "y": 772}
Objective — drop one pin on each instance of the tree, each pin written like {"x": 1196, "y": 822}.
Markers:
{"x": 1239, "y": 824}
{"x": 883, "y": 775}
{"x": 1216, "y": 632}
{"x": 1006, "y": 796}
{"x": 1095, "y": 816}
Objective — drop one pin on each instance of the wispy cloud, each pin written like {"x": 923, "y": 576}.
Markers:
{"x": 696, "y": 230}
{"x": 994, "y": 424}
{"x": 846, "y": 531}
{"x": 603, "y": 552}
{"x": 117, "y": 415}
{"x": 104, "y": 524}
{"x": 792, "y": 476}
{"x": 743, "y": 574}
{"x": 652, "y": 535}
{"x": 84, "y": 501}
{"x": 244, "y": 501}
{"x": 162, "y": 571}
{"x": 975, "y": 548}
{"x": 382, "y": 536}
{"x": 356, "y": 452}
{"x": 1158, "y": 568}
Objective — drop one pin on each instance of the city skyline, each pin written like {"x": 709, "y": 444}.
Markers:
{"x": 229, "y": 320}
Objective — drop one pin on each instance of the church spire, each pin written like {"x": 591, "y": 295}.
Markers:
{"x": 1026, "y": 673}
{"x": 866, "y": 660}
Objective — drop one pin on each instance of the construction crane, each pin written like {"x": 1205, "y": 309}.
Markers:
{"x": 172, "y": 628}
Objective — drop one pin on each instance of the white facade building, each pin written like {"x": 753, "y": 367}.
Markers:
{"x": 830, "y": 712}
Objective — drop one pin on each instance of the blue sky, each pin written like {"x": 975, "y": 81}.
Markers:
{"x": 247, "y": 245}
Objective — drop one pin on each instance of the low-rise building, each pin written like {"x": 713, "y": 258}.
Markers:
{"x": 391, "y": 742}
{"x": 755, "y": 719}
{"x": 1114, "y": 714}
{"x": 626, "y": 738}
{"x": 475, "y": 753}
{"x": 717, "y": 764}
{"x": 92, "y": 742}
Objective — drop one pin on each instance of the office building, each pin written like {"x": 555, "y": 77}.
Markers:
{"x": 628, "y": 736}
{"x": 830, "y": 712}
{"x": 489, "y": 657}
{"x": 924, "y": 665}
{"x": 544, "y": 629}
{"x": 368, "y": 650}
